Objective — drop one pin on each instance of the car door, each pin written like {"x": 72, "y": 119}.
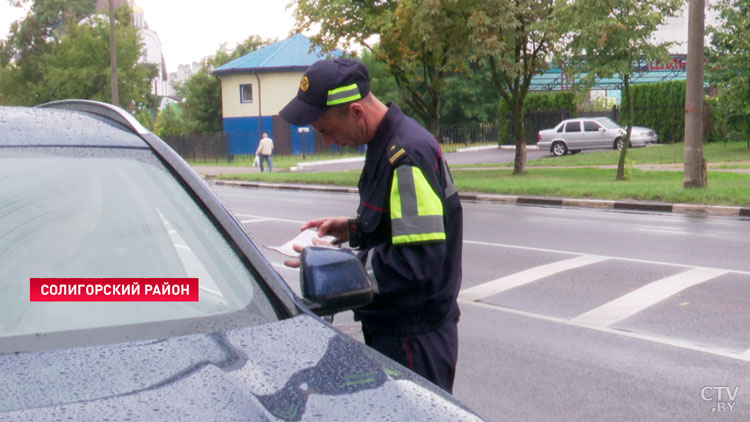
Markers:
{"x": 594, "y": 137}
{"x": 574, "y": 135}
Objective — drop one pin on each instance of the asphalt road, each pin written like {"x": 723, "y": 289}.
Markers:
{"x": 577, "y": 314}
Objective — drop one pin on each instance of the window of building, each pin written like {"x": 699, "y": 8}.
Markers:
{"x": 246, "y": 93}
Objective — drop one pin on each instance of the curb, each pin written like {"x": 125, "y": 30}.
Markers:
{"x": 630, "y": 205}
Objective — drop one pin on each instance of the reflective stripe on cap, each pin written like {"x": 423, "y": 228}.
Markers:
{"x": 343, "y": 95}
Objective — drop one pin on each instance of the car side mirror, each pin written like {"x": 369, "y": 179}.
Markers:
{"x": 601, "y": 129}
{"x": 333, "y": 280}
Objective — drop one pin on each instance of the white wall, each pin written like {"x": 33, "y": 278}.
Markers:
{"x": 276, "y": 88}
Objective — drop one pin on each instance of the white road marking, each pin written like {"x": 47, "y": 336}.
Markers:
{"x": 682, "y": 344}
{"x": 269, "y": 218}
{"x": 619, "y": 258}
{"x": 500, "y": 285}
{"x": 644, "y": 229}
{"x": 646, "y": 296}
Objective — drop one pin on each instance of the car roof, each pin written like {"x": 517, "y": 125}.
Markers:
{"x": 579, "y": 119}
{"x": 55, "y": 124}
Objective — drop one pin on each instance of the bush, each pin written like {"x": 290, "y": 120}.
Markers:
{"x": 659, "y": 106}
{"x": 562, "y": 102}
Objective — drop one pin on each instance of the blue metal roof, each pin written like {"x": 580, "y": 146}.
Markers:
{"x": 292, "y": 54}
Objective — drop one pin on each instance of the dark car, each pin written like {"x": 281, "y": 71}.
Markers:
{"x": 87, "y": 195}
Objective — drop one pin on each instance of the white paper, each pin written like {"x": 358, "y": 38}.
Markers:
{"x": 305, "y": 238}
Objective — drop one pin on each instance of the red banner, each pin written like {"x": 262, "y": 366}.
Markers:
{"x": 114, "y": 289}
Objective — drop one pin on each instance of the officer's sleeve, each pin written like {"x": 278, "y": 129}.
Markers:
{"x": 416, "y": 209}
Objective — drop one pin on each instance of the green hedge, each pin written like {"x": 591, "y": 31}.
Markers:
{"x": 564, "y": 102}
{"x": 659, "y": 106}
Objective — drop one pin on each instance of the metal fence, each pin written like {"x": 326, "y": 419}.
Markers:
{"x": 203, "y": 147}
{"x": 225, "y": 147}
{"x": 229, "y": 146}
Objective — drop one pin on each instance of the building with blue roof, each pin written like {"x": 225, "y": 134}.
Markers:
{"x": 256, "y": 86}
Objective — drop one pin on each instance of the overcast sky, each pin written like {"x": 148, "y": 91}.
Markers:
{"x": 190, "y": 29}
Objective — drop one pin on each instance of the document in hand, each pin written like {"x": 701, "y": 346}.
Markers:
{"x": 304, "y": 238}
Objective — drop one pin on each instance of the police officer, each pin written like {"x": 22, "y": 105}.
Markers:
{"x": 409, "y": 223}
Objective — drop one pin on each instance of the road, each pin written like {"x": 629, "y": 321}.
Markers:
{"x": 577, "y": 314}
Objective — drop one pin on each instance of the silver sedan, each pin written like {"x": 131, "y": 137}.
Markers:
{"x": 574, "y": 135}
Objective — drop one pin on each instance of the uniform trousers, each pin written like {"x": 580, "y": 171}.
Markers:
{"x": 432, "y": 354}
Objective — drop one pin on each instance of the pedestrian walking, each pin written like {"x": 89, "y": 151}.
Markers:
{"x": 409, "y": 225}
{"x": 264, "y": 151}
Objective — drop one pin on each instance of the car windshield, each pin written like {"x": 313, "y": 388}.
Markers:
{"x": 606, "y": 122}
{"x": 110, "y": 213}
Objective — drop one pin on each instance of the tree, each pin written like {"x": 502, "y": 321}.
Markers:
{"x": 421, "y": 41}
{"x": 202, "y": 102}
{"x": 169, "y": 122}
{"x": 728, "y": 67}
{"x": 609, "y": 39}
{"x": 515, "y": 38}
{"x": 470, "y": 97}
{"x": 78, "y": 66}
{"x": 382, "y": 83}
{"x": 61, "y": 50}
{"x": 202, "y": 91}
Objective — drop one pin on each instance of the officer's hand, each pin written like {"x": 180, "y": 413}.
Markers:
{"x": 334, "y": 226}
{"x": 294, "y": 263}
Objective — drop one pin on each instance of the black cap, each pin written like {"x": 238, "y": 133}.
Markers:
{"x": 327, "y": 83}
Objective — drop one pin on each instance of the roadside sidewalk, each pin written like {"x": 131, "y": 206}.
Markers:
{"x": 629, "y": 205}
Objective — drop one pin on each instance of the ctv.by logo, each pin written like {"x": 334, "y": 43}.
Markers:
{"x": 724, "y": 397}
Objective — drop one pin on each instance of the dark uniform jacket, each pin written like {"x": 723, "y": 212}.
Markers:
{"x": 411, "y": 224}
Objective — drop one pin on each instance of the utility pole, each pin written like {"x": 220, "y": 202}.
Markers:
{"x": 695, "y": 164}
{"x": 113, "y": 54}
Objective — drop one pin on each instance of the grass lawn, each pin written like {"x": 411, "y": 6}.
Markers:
{"x": 659, "y": 154}
{"x": 723, "y": 188}
{"x": 279, "y": 161}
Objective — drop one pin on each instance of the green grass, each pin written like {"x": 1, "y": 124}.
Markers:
{"x": 667, "y": 186}
{"x": 660, "y": 154}
{"x": 723, "y": 188}
{"x": 580, "y": 180}
{"x": 279, "y": 161}
{"x": 344, "y": 178}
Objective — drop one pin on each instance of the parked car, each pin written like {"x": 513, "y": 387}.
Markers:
{"x": 88, "y": 194}
{"x": 575, "y": 135}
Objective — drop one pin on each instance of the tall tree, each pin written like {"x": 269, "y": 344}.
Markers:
{"x": 515, "y": 38}
{"x": 421, "y": 41}
{"x": 61, "y": 50}
{"x": 201, "y": 108}
{"x": 728, "y": 67}
{"x": 78, "y": 66}
{"x": 609, "y": 39}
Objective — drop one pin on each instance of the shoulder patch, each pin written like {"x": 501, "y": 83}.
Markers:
{"x": 395, "y": 151}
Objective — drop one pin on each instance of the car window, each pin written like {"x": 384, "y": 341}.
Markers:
{"x": 590, "y": 126}
{"x": 606, "y": 122}
{"x": 109, "y": 213}
{"x": 573, "y": 127}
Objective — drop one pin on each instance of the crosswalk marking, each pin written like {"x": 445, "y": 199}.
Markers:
{"x": 500, "y": 285}
{"x": 646, "y": 296}
{"x": 683, "y": 344}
